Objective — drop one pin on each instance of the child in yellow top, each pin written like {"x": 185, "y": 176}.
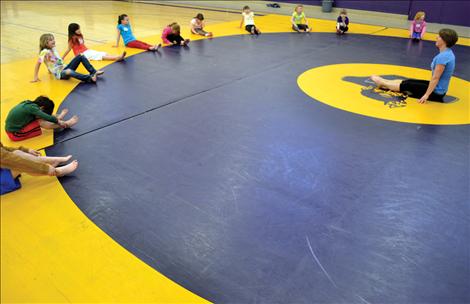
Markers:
{"x": 299, "y": 21}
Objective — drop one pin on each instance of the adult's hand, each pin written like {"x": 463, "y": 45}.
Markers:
{"x": 423, "y": 99}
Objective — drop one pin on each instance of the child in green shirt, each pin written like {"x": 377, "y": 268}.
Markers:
{"x": 299, "y": 21}
{"x": 27, "y": 118}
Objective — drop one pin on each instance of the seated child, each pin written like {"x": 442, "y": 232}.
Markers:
{"x": 15, "y": 161}
{"x": 418, "y": 26}
{"x": 77, "y": 45}
{"x": 298, "y": 19}
{"x": 27, "y": 118}
{"x": 172, "y": 35}
{"x": 55, "y": 65}
{"x": 124, "y": 30}
{"x": 342, "y": 22}
{"x": 197, "y": 26}
{"x": 248, "y": 17}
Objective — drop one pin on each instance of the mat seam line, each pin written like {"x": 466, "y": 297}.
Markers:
{"x": 176, "y": 101}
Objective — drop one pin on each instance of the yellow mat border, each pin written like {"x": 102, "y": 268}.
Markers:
{"x": 50, "y": 251}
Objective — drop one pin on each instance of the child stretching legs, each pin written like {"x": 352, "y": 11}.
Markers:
{"x": 24, "y": 160}
{"x": 418, "y": 26}
{"x": 248, "y": 17}
{"x": 172, "y": 35}
{"x": 27, "y": 118}
{"x": 77, "y": 45}
{"x": 197, "y": 26}
{"x": 124, "y": 30}
{"x": 55, "y": 64}
{"x": 299, "y": 21}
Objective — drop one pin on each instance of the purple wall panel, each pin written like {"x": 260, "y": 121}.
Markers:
{"x": 438, "y": 11}
{"x": 448, "y": 12}
{"x": 387, "y": 6}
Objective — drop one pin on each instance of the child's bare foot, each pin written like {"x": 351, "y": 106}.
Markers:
{"x": 155, "y": 47}
{"x": 62, "y": 114}
{"x": 67, "y": 169}
{"x": 99, "y": 72}
{"x": 71, "y": 122}
{"x": 55, "y": 161}
{"x": 121, "y": 58}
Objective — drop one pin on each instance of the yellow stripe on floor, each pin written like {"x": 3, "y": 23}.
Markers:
{"x": 50, "y": 251}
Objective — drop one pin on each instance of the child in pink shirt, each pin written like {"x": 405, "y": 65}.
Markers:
{"x": 418, "y": 26}
{"x": 171, "y": 35}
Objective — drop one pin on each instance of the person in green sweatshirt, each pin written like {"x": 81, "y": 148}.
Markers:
{"x": 27, "y": 118}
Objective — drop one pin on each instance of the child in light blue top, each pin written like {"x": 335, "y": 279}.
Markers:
{"x": 126, "y": 33}
{"x": 124, "y": 30}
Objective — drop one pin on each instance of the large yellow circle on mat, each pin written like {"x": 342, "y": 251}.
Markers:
{"x": 329, "y": 84}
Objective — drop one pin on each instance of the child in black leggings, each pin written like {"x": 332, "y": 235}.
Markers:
{"x": 248, "y": 17}
{"x": 173, "y": 35}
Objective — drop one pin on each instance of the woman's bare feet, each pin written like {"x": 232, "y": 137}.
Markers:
{"x": 377, "y": 80}
{"x": 71, "y": 122}
{"x": 62, "y": 114}
{"x": 55, "y": 161}
{"x": 67, "y": 169}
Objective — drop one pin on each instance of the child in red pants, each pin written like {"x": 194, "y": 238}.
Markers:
{"x": 124, "y": 30}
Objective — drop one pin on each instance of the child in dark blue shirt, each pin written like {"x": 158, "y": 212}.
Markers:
{"x": 342, "y": 22}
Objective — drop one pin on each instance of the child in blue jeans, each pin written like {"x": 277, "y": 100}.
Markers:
{"x": 51, "y": 58}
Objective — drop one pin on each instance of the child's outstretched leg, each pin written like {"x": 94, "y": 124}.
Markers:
{"x": 62, "y": 124}
{"x": 69, "y": 70}
{"x": 62, "y": 114}
{"x": 53, "y": 161}
{"x": 67, "y": 169}
{"x": 73, "y": 65}
{"x": 143, "y": 46}
{"x": 115, "y": 58}
{"x": 156, "y": 47}
{"x": 71, "y": 122}
{"x": 21, "y": 162}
